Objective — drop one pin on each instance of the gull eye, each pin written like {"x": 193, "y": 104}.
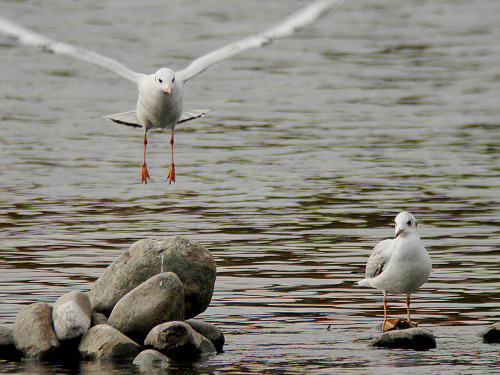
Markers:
{"x": 160, "y": 80}
{"x": 173, "y": 80}
{"x": 409, "y": 222}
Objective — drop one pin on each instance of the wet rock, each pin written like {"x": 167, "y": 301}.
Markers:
{"x": 150, "y": 359}
{"x": 209, "y": 331}
{"x": 8, "y": 349}
{"x": 178, "y": 341}
{"x": 193, "y": 264}
{"x": 105, "y": 342}
{"x": 71, "y": 315}
{"x": 34, "y": 334}
{"x": 412, "y": 338}
{"x": 492, "y": 334}
{"x": 98, "y": 318}
{"x": 158, "y": 300}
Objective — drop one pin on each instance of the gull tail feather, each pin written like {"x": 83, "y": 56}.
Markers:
{"x": 130, "y": 118}
{"x": 364, "y": 282}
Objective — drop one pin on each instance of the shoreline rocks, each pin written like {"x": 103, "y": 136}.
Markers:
{"x": 71, "y": 315}
{"x": 158, "y": 300}
{"x": 150, "y": 288}
{"x": 34, "y": 334}
{"x": 178, "y": 341}
{"x": 193, "y": 264}
{"x": 106, "y": 342}
{"x": 492, "y": 333}
{"x": 409, "y": 338}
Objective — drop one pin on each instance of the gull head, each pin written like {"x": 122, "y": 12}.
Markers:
{"x": 165, "y": 80}
{"x": 406, "y": 224}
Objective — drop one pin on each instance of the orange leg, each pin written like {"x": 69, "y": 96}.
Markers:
{"x": 408, "y": 308}
{"x": 144, "y": 173}
{"x": 388, "y": 324}
{"x": 171, "y": 171}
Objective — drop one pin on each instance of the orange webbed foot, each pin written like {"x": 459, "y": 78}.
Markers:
{"x": 171, "y": 174}
{"x": 144, "y": 174}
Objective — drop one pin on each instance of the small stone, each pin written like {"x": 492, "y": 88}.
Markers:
{"x": 8, "y": 349}
{"x": 492, "y": 333}
{"x": 71, "y": 315}
{"x": 209, "y": 331}
{"x": 178, "y": 341}
{"x": 150, "y": 359}
{"x": 98, "y": 318}
{"x": 105, "y": 342}
{"x": 193, "y": 264}
{"x": 411, "y": 338}
{"x": 34, "y": 334}
{"x": 158, "y": 300}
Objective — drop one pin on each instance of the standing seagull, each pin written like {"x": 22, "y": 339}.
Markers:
{"x": 159, "y": 105}
{"x": 399, "y": 265}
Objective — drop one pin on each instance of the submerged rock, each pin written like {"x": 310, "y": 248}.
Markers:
{"x": 209, "y": 331}
{"x": 71, "y": 315}
{"x": 8, "y": 349}
{"x": 178, "y": 341}
{"x": 150, "y": 359}
{"x": 411, "y": 338}
{"x": 105, "y": 342}
{"x": 158, "y": 300}
{"x": 193, "y": 264}
{"x": 492, "y": 334}
{"x": 34, "y": 334}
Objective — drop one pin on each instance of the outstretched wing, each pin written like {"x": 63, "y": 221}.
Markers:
{"x": 30, "y": 38}
{"x": 379, "y": 258}
{"x": 288, "y": 26}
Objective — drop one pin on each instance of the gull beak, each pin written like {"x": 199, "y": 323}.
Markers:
{"x": 399, "y": 231}
{"x": 168, "y": 90}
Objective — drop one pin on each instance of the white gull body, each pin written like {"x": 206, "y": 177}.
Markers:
{"x": 400, "y": 265}
{"x": 159, "y": 105}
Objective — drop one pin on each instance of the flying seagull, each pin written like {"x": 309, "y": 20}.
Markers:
{"x": 400, "y": 265}
{"x": 159, "y": 105}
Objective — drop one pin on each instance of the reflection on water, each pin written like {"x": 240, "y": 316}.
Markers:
{"x": 311, "y": 148}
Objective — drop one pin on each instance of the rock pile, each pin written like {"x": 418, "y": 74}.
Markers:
{"x": 137, "y": 308}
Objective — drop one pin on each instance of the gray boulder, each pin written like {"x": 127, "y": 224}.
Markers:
{"x": 71, "y": 315}
{"x": 411, "y": 338}
{"x": 105, "y": 342}
{"x": 209, "y": 331}
{"x": 150, "y": 359}
{"x": 492, "y": 334}
{"x": 8, "y": 349}
{"x": 178, "y": 341}
{"x": 158, "y": 300}
{"x": 193, "y": 264}
{"x": 34, "y": 334}
{"x": 98, "y": 318}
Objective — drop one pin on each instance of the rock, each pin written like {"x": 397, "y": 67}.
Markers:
{"x": 98, "y": 318}
{"x": 34, "y": 334}
{"x": 209, "y": 331}
{"x": 158, "y": 300}
{"x": 105, "y": 342}
{"x": 150, "y": 359}
{"x": 8, "y": 349}
{"x": 193, "y": 264}
{"x": 492, "y": 334}
{"x": 412, "y": 338}
{"x": 71, "y": 315}
{"x": 178, "y": 341}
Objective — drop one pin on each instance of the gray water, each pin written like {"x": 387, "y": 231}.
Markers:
{"x": 311, "y": 148}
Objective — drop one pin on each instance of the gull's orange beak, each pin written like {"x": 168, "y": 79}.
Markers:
{"x": 399, "y": 231}
{"x": 168, "y": 90}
